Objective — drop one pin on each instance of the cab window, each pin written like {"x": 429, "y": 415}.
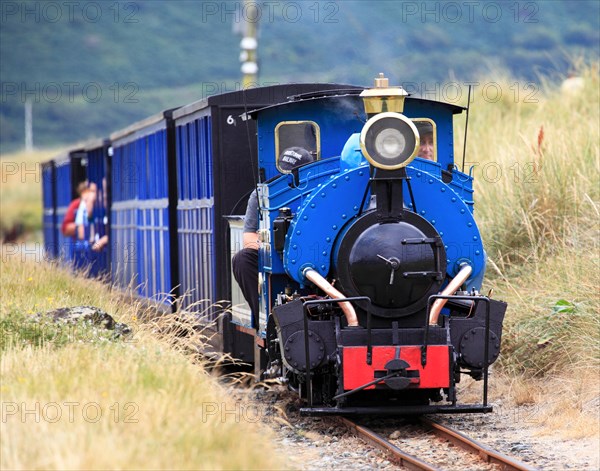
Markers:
{"x": 303, "y": 134}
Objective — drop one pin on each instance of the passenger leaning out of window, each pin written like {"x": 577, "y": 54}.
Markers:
{"x": 68, "y": 225}
{"x": 85, "y": 212}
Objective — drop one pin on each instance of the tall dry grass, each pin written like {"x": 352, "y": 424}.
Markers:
{"x": 86, "y": 400}
{"x": 538, "y": 205}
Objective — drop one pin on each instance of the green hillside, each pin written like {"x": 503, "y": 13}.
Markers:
{"x": 93, "y": 67}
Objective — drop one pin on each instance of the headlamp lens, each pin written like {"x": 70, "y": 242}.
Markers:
{"x": 390, "y": 143}
{"x": 389, "y": 140}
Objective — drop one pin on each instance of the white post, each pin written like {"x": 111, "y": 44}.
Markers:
{"x": 249, "y": 44}
{"x": 28, "y": 126}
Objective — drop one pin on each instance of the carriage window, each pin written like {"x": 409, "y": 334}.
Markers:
{"x": 428, "y": 138}
{"x": 294, "y": 134}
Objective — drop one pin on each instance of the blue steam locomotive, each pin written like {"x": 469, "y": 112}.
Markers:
{"x": 370, "y": 262}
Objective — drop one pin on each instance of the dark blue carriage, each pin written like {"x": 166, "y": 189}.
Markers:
{"x": 142, "y": 230}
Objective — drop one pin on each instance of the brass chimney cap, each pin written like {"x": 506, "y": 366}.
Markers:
{"x": 381, "y": 81}
{"x": 382, "y": 88}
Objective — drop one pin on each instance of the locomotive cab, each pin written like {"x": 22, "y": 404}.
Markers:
{"x": 363, "y": 252}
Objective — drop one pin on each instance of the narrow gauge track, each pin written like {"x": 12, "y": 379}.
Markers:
{"x": 444, "y": 432}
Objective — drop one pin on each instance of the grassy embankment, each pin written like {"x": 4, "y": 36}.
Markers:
{"x": 75, "y": 398}
{"x": 538, "y": 203}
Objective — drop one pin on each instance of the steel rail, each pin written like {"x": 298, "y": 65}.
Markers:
{"x": 401, "y": 458}
{"x": 474, "y": 447}
{"x": 394, "y": 453}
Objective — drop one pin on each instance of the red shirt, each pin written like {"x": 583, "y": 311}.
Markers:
{"x": 70, "y": 214}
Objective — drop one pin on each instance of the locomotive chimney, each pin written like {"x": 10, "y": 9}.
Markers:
{"x": 381, "y": 81}
{"x": 383, "y": 98}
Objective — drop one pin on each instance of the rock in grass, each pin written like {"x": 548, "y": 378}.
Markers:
{"x": 90, "y": 314}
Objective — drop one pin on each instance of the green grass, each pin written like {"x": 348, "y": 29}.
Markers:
{"x": 18, "y": 331}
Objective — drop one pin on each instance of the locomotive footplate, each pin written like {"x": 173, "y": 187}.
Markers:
{"x": 397, "y": 410}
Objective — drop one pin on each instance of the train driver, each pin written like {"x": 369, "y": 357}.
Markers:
{"x": 245, "y": 262}
{"x": 427, "y": 146}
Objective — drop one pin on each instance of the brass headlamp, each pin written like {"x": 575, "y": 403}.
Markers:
{"x": 389, "y": 140}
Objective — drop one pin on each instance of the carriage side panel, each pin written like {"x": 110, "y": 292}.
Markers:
{"x": 195, "y": 213}
{"x": 64, "y": 246}
{"x": 140, "y": 215}
{"x": 49, "y": 205}
{"x": 97, "y": 165}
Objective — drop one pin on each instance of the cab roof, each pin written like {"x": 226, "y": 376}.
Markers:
{"x": 349, "y": 92}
